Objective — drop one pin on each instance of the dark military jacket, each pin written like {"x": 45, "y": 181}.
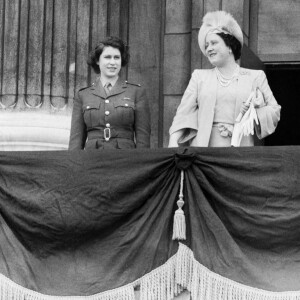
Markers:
{"x": 120, "y": 120}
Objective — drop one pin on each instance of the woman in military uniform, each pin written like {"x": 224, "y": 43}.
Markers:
{"x": 110, "y": 114}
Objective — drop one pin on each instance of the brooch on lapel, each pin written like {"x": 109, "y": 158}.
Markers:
{"x": 244, "y": 72}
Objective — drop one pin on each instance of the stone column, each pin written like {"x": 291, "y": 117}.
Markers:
{"x": 177, "y": 57}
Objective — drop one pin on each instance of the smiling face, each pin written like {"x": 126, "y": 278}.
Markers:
{"x": 110, "y": 63}
{"x": 216, "y": 50}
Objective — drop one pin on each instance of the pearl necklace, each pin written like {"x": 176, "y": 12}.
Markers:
{"x": 225, "y": 81}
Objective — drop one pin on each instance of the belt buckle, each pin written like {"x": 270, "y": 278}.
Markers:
{"x": 107, "y": 135}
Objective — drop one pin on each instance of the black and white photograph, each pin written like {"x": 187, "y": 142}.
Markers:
{"x": 149, "y": 150}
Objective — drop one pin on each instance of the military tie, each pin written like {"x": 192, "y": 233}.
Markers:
{"x": 107, "y": 88}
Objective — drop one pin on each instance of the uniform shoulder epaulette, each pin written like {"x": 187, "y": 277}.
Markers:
{"x": 81, "y": 89}
{"x": 136, "y": 84}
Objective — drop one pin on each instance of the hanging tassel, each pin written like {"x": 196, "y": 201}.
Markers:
{"x": 179, "y": 227}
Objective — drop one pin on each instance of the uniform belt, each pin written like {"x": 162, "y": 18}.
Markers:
{"x": 109, "y": 133}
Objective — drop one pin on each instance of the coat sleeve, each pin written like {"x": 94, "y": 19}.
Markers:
{"x": 186, "y": 118}
{"x": 269, "y": 113}
{"x": 142, "y": 124}
{"x": 78, "y": 132}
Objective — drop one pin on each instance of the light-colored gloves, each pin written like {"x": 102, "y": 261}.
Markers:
{"x": 258, "y": 99}
{"x": 244, "y": 125}
{"x": 247, "y": 122}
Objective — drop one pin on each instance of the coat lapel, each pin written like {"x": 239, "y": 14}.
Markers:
{"x": 208, "y": 94}
{"x": 118, "y": 88}
{"x": 213, "y": 89}
{"x": 98, "y": 90}
{"x": 244, "y": 85}
{"x": 207, "y": 97}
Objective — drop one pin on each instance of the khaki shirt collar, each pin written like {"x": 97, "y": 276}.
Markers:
{"x": 112, "y": 82}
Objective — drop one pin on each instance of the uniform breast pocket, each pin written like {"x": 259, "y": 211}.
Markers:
{"x": 125, "y": 110}
{"x": 91, "y": 115}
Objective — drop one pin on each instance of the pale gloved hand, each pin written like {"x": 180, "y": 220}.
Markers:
{"x": 248, "y": 120}
{"x": 245, "y": 126}
{"x": 258, "y": 99}
{"x": 244, "y": 107}
{"x": 237, "y": 135}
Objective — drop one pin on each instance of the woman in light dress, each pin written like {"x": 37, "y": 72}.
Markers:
{"x": 215, "y": 98}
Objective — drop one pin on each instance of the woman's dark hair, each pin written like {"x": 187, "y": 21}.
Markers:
{"x": 110, "y": 41}
{"x": 233, "y": 44}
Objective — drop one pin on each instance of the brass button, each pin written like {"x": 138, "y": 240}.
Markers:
{"x": 106, "y": 101}
{"x": 126, "y": 104}
{"x": 88, "y": 107}
{"x": 107, "y": 125}
{"x": 107, "y": 112}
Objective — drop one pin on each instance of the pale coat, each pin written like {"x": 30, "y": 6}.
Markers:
{"x": 195, "y": 114}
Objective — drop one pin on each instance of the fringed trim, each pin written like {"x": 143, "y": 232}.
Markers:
{"x": 161, "y": 283}
{"x": 12, "y": 291}
{"x": 204, "y": 284}
{"x": 179, "y": 225}
{"x": 181, "y": 272}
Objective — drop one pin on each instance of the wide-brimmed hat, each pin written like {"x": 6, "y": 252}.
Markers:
{"x": 216, "y": 22}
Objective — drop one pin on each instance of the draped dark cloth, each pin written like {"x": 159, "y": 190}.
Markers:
{"x": 80, "y": 223}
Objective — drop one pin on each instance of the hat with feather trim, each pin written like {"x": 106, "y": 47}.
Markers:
{"x": 216, "y": 22}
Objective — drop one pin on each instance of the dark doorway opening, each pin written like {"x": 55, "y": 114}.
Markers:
{"x": 284, "y": 80}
